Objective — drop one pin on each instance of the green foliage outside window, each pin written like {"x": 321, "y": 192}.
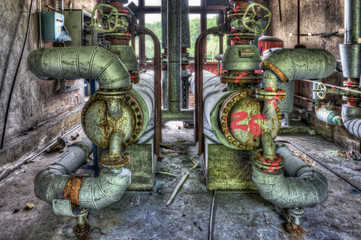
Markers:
{"x": 194, "y": 27}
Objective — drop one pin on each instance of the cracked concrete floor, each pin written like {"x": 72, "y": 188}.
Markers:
{"x": 144, "y": 215}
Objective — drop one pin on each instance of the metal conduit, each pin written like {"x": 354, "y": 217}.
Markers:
{"x": 174, "y": 54}
{"x": 297, "y": 185}
{"x": 80, "y": 62}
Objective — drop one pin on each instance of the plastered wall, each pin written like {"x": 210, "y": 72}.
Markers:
{"x": 316, "y": 16}
{"x": 32, "y": 101}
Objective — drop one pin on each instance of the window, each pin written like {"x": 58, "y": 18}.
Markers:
{"x": 152, "y": 3}
{"x": 194, "y": 30}
{"x": 154, "y": 23}
{"x": 195, "y": 3}
{"x": 212, "y": 40}
{"x": 135, "y": 1}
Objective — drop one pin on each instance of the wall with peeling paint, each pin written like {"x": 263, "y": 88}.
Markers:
{"x": 316, "y": 16}
{"x": 33, "y": 101}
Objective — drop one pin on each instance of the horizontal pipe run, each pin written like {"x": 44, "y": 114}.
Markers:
{"x": 55, "y": 182}
{"x": 80, "y": 62}
{"x": 49, "y": 183}
{"x": 70, "y": 89}
{"x": 292, "y": 64}
{"x": 183, "y": 115}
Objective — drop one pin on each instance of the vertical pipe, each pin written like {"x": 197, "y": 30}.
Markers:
{"x": 298, "y": 22}
{"x": 174, "y": 55}
{"x": 186, "y": 42}
{"x": 352, "y": 21}
{"x": 93, "y": 89}
{"x": 164, "y": 24}
{"x": 165, "y": 47}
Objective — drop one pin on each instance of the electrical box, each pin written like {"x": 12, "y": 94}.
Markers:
{"x": 77, "y": 22}
{"x": 53, "y": 28}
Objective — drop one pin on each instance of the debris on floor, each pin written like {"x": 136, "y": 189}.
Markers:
{"x": 304, "y": 158}
{"x": 167, "y": 173}
{"x": 165, "y": 169}
{"x": 179, "y": 185}
{"x": 29, "y": 206}
{"x": 338, "y": 153}
{"x": 312, "y": 132}
{"x": 354, "y": 191}
{"x": 165, "y": 150}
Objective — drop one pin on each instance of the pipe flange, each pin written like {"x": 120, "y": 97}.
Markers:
{"x": 101, "y": 126}
{"x": 118, "y": 163}
{"x": 269, "y": 166}
{"x": 226, "y": 109}
{"x": 72, "y": 189}
{"x": 241, "y": 77}
{"x": 279, "y": 95}
{"x": 82, "y": 232}
{"x": 267, "y": 65}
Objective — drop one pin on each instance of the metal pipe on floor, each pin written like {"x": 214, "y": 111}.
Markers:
{"x": 296, "y": 185}
{"x": 49, "y": 183}
{"x": 54, "y": 183}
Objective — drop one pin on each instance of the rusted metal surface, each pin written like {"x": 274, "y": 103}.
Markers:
{"x": 242, "y": 121}
{"x": 111, "y": 163}
{"x": 199, "y": 86}
{"x": 72, "y": 189}
{"x": 99, "y": 125}
{"x": 274, "y": 69}
{"x": 157, "y": 86}
{"x": 241, "y": 77}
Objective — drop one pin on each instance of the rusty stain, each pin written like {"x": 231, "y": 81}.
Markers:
{"x": 109, "y": 163}
{"x": 100, "y": 126}
{"x": 274, "y": 69}
{"x": 72, "y": 188}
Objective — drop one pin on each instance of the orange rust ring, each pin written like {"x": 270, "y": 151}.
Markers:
{"x": 72, "y": 189}
{"x": 275, "y": 69}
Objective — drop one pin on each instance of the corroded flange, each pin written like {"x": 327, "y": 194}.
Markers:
{"x": 270, "y": 95}
{"x": 72, "y": 189}
{"x": 239, "y": 77}
{"x": 101, "y": 125}
{"x": 226, "y": 109}
{"x": 241, "y": 120}
{"x": 271, "y": 166}
{"x": 115, "y": 164}
{"x": 276, "y": 70}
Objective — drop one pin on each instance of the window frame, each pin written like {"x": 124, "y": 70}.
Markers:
{"x": 203, "y": 10}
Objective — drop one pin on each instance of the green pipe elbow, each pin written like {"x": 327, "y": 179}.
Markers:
{"x": 304, "y": 187}
{"x": 108, "y": 188}
{"x": 80, "y": 62}
{"x": 49, "y": 183}
{"x": 291, "y": 64}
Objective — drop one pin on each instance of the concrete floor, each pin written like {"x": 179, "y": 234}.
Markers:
{"x": 144, "y": 215}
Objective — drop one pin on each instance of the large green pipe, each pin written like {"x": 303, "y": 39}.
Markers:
{"x": 299, "y": 63}
{"x": 94, "y": 193}
{"x": 49, "y": 183}
{"x": 213, "y": 97}
{"x": 351, "y": 118}
{"x": 297, "y": 185}
{"x": 80, "y": 62}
